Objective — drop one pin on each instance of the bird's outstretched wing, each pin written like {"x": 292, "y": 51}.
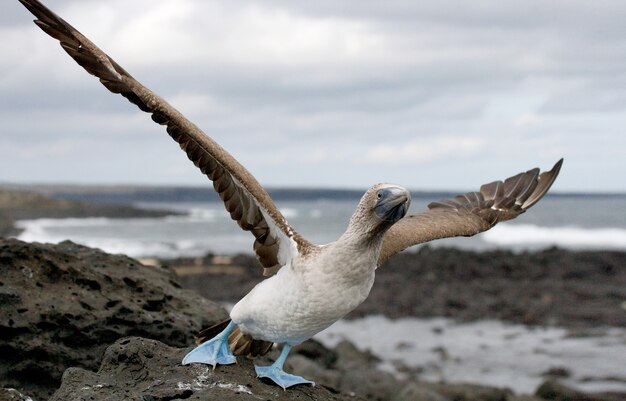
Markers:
{"x": 471, "y": 213}
{"x": 246, "y": 201}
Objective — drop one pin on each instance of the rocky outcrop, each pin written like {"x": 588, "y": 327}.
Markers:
{"x": 141, "y": 369}
{"x": 62, "y": 305}
{"x": 345, "y": 369}
{"x": 11, "y": 394}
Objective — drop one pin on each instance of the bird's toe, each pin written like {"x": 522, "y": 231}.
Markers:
{"x": 213, "y": 352}
{"x": 280, "y": 377}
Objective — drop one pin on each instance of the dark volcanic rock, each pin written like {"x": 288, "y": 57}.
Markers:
{"x": 549, "y": 287}
{"x": 468, "y": 392}
{"x": 11, "y": 394}
{"x": 345, "y": 369}
{"x": 6, "y": 226}
{"x": 425, "y": 391}
{"x": 553, "y": 390}
{"x": 62, "y": 305}
{"x": 147, "y": 370}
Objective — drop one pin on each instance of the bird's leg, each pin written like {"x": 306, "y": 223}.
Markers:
{"x": 213, "y": 352}
{"x": 276, "y": 373}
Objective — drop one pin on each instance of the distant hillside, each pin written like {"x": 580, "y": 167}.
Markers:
{"x": 20, "y": 205}
{"x": 131, "y": 194}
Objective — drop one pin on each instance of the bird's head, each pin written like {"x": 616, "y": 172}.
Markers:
{"x": 380, "y": 207}
{"x": 391, "y": 202}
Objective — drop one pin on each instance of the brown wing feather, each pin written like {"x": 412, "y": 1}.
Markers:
{"x": 243, "y": 196}
{"x": 471, "y": 213}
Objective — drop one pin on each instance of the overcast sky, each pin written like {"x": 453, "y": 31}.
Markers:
{"x": 426, "y": 94}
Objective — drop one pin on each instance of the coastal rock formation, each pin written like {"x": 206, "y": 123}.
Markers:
{"x": 136, "y": 368}
{"x": 23, "y": 205}
{"x": 62, "y": 305}
{"x": 573, "y": 289}
{"x": 11, "y": 394}
{"x": 140, "y": 369}
{"x": 79, "y": 324}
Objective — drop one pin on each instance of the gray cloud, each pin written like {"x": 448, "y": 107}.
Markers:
{"x": 334, "y": 89}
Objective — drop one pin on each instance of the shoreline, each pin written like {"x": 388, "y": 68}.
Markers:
{"x": 543, "y": 290}
{"x": 453, "y": 315}
{"x": 552, "y": 287}
{"x": 93, "y": 306}
{"x": 26, "y": 205}
{"x": 488, "y": 352}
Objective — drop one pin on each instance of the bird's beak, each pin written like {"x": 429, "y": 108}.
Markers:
{"x": 393, "y": 204}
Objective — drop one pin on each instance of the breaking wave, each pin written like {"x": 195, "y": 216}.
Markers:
{"x": 567, "y": 237}
{"x": 167, "y": 237}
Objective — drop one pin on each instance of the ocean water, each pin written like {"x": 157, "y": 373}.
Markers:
{"x": 574, "y": 222}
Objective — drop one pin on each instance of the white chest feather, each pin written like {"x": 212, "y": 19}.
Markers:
{"x": 305, "y": 298}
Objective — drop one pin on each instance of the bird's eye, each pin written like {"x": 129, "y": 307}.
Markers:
{"x": 379, "y": 196}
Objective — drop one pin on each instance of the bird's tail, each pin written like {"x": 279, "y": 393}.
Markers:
{"x": 240, "y": 343}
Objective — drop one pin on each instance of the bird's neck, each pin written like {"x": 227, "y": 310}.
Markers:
{"x": 360, "y": 236}
{"x": 362, "y": 229}
{"x": 351, "y": 260}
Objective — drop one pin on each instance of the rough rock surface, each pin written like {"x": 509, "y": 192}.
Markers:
{"x": 146, "y": 370}
{"x": 139, "y": 369}
{"x": 345, "y": 369}
{"x": 553, "y": 390}
{"x": 11, "y": 394}
{"x": 549, "y": 287}
{"x": 62, "y": 305}
{"x": 70, "y": 308}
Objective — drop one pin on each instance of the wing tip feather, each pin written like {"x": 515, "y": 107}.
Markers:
{"x": 545, "y": 181}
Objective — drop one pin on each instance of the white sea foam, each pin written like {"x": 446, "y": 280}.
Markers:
{"x": 167, "y": 237}
{"x": 69, "y": 222}
{"x": 567, "y": 237}
{"x": 202, "y": 214}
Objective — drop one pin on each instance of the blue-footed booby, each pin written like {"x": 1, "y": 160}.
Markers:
{"x": 311, "y": 286}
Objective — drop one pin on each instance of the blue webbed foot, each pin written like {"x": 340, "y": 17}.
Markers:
{"x": 213, "y": 352}
{"x": 280, "y": 377}
{"x": 276, "y": 373}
